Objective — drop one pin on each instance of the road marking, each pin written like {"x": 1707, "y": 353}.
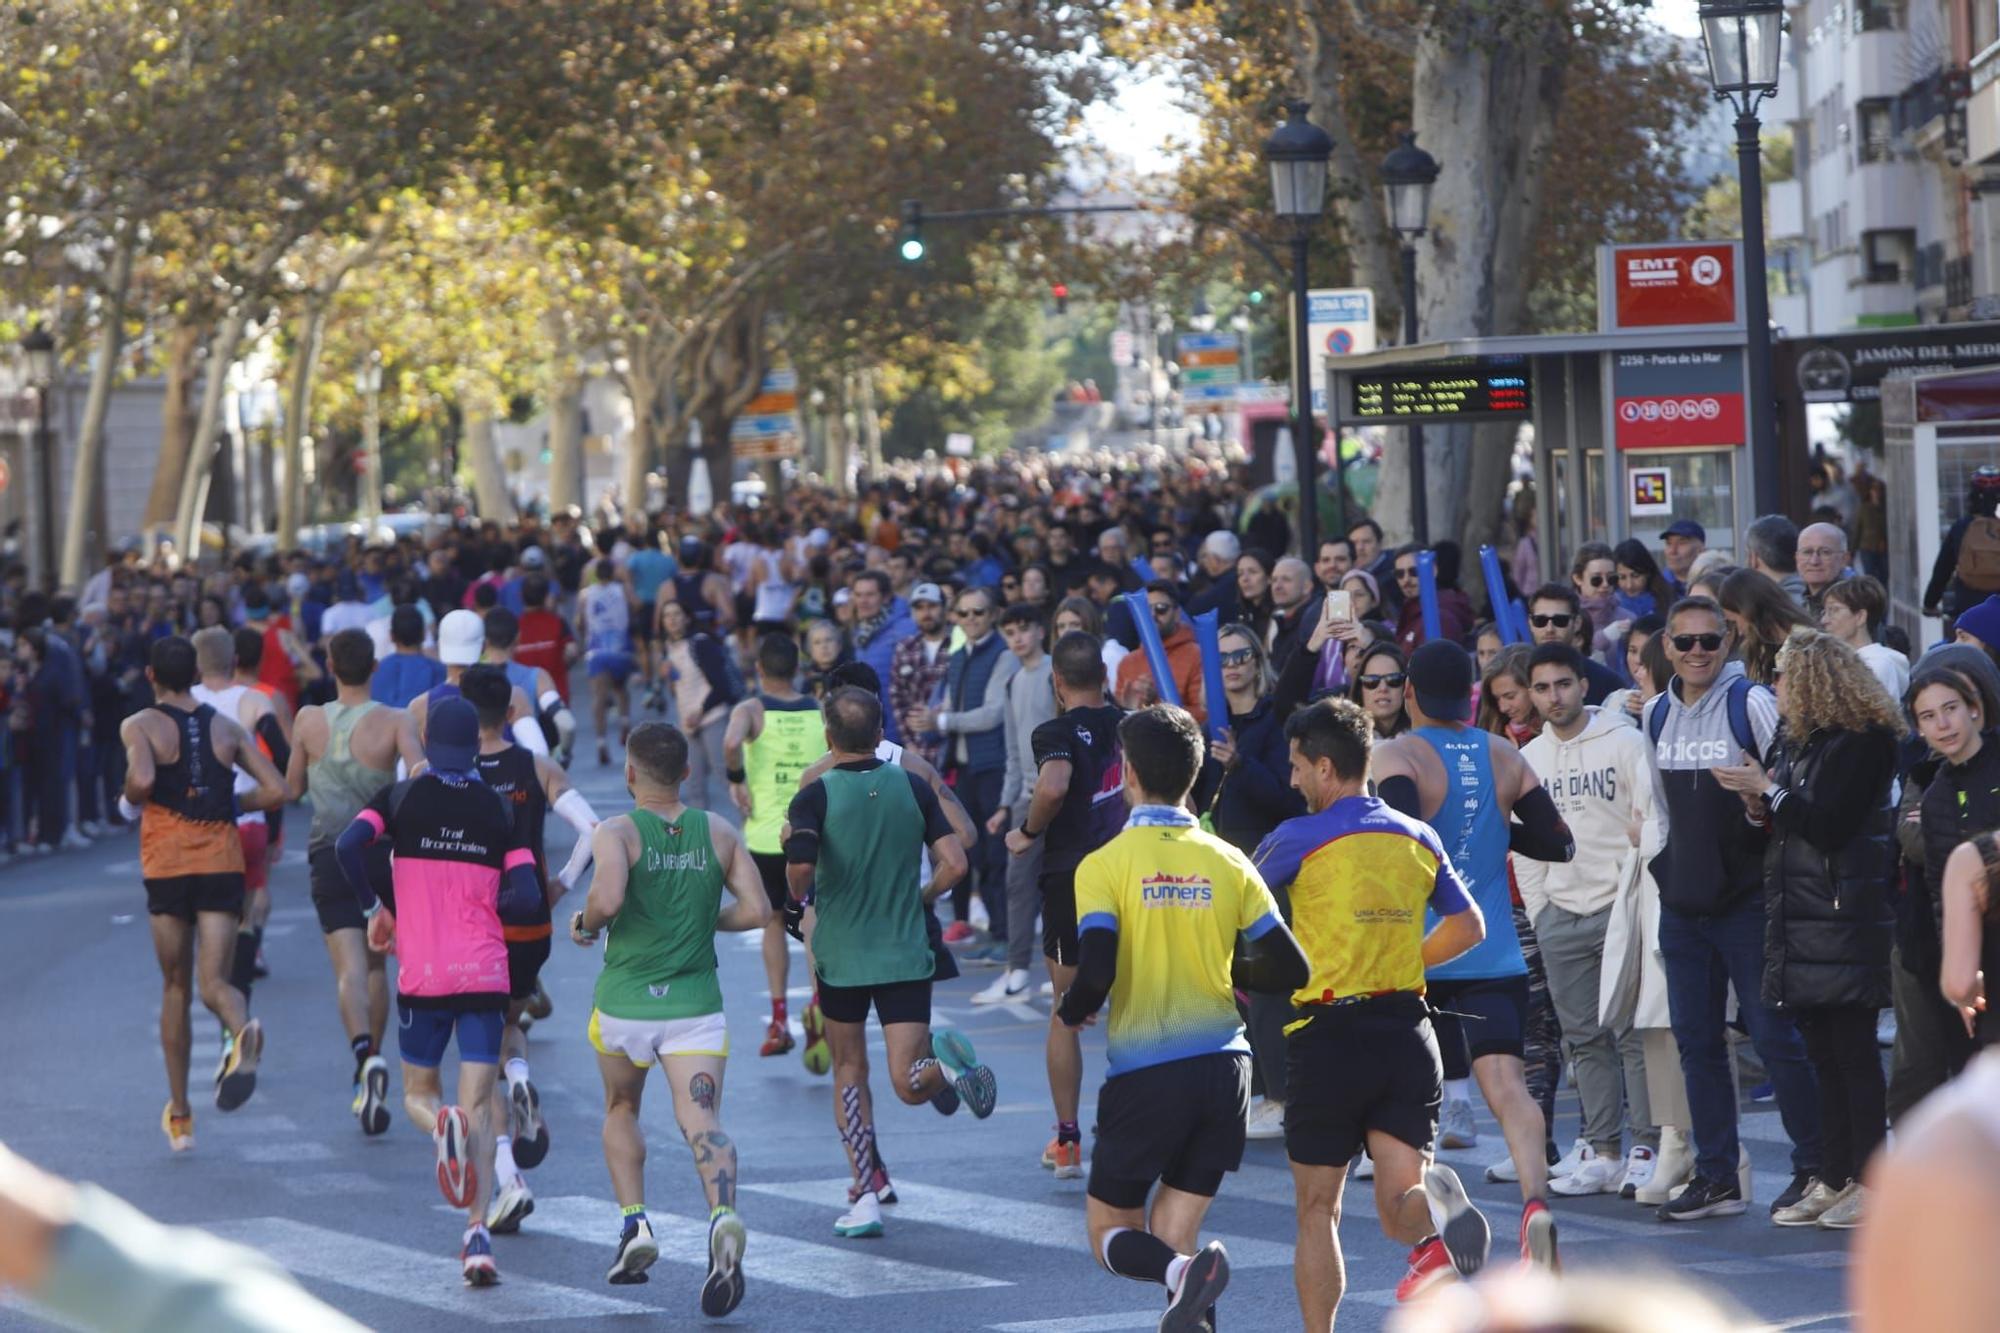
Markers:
{"x": 409, "y": 1275}
{"x": 825, "y": 1270}
{"x": 1117, "y": 1323}
{"x": 274, "y": 1154}
{"x": 1016, "y": 1220}
{"x": 313, "y": 1184}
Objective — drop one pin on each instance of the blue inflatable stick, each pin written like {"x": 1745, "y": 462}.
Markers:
{"x": 1496, "y": 598}
{"x": 1209, "y": 640}
{"x": 1156, "y": 652}
{"x": 1427, "y": 590}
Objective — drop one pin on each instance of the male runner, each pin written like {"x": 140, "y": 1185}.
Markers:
{"x": 851, "y": 849}
{"x": 215, "y": 656}
{"x": 1465, "y": 783}
{"x": 661, "y": 870}
{"x": 1363, "y": 1058}
{"x": 346, "y": 752}
{"x": 1160, "y": 907}
{"x": 604, "y": 623}
{"x": 459, "y": 869}
{"x": 552, "y": 718}
{"x": 530, "y": 786}
{"x": 461, "y": 639}
{"x": 276, "y": 742}
{"x": 772, "y": 738}
{"x": 179, "y": 785}
{"x": 1078, "y": 802}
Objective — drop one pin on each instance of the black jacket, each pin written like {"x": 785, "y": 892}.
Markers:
{"x": 1827, "y": 922}
{"x": 1256, "y": 795}
{"x": 1961, "y": 802}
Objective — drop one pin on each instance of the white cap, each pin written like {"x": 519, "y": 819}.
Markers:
{"x": 534, "y": 558}
{"x": 819, "y": 539}
{"x": 461, "y": 638}
{"x": 297, "y": 585}
{"x": 926, "y": 592}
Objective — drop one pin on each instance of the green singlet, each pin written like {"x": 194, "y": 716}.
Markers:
{"x": 659, "y": 960}
{"x": 871, "y": 910}
{"x": 793, "y": 737}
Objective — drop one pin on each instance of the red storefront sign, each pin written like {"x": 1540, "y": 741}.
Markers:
{"x": 1672, "y": 286}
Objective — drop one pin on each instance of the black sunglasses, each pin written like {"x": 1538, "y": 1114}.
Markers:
{"x": 1236, "y": 656}
{"x": 1543, "y": 622}
{"x": 1393, "y": 679}
{"x": 1686, "y": 642}
{"x": 1599, "y": 580}
{"x": 1164, "y": 608}
{"x": 1402, "y": 573}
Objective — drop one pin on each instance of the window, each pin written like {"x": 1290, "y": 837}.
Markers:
{"x": 1888, "y": 256}
{"x": 1877, "y": 138}
{"x": 1877, "y": 15}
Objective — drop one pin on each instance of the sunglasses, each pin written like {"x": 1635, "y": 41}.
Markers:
{"x": 1543, "y": 622}
{"x": 970, "y": 613}
{"x": 1163, "y": 608}
{"x": 1392, "y": 679}
{"x": 1402, "y": 574}
{"x": 1236, "y": 657}
{"x": 1599, "y": 580}
{"x": 1688, "y": 642}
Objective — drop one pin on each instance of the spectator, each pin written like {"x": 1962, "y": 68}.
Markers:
{"x": 1378, "y": 688}
{"x": 1291, "y": 600}
{"x": 826, "y": 650}
{"x": 1081, "y": 613}
{"x": 1134, "y": 682}
{"x": 1763, "y": 617}
{"x": 1684, "y": 542}
{"x": 1646, "y": 658}
{"x": 879, "y": 625}
{"x": 1642, "y": 589}
{"x": 1851, "y": 610}
{"x": 1455, "y": 618}
{"x": 1594, "y": 575}
{"x": 1525, "y": 565}
{"x": 917, "y": 670}
{"x": 1506, "y": 698}
{"x": 1822, "y": 560}
{"x": 1771, "y": 545}
{"x": 1031, "y": 701}
{"x": 1486, "y": 645}
{"x": 1555, "y": 615}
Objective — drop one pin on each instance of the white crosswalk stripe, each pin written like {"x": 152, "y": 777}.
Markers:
{"x": 825, "y": 1270}
{"x": 1045, "y": 1225}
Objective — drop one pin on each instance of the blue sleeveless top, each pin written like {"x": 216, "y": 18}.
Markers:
{"x": 1473, "y": 828}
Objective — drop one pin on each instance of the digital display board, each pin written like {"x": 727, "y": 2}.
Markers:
{"x": 1466, "y": 388}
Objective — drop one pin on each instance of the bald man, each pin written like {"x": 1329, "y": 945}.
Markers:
{"x": 1822, "y": 562}
{"x": 1292, "y": 595}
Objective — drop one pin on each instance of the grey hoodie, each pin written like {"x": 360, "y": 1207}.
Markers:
{"x": 1031, "y": 701}
{"x": 1714, "y": 862}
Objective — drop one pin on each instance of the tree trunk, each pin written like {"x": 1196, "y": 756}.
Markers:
{"x": 176, "y": 426}
{"x": 201, "y": 450}
{"x": 84, "y": 479}
{"x": 726, "y": 372}
{"x": 871, "y": 423}
{"x": 489, "y": 480}
{"x": 298, "y": 408}
{"x": 565, "y": 442}
{"x": 642, "y": 446}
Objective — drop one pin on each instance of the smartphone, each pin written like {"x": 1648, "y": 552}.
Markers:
{"x": 1340, "y": 605}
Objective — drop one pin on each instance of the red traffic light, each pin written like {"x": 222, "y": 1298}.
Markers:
{"x": 1060, "y": 292}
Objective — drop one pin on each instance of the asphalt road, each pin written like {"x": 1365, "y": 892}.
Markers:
{"x": 983, "y": 1238}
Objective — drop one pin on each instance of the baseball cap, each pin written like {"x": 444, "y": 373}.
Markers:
{"x": 534, "y": 558}
{"x": 1686, "y": 527}
{"x": 461, "y": 637}
{"x": 451, "y": 733}
{"x": 297, "y": 585}
{"x": 1441, "y": 676}
{"x": 819, "y": 539}
{"x": 926, "y": 592}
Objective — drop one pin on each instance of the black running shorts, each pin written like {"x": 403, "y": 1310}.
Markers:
{"x": 524, "y": 966}
{"x": 333, "y": 897}
{"x": 185, "y": 896}
{"x": 1059, "y": 916}
{"x": 1351, "y": 1068}
{"x": 1180, "y": 1123}
{"x": 1484, "y": 1017}
{"x": 771, "y": 865}
{"x": 894, "y": 1001}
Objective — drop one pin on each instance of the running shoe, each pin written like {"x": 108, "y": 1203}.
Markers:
{"x": 722, "y": 1290}
{"x": 1267, "y": 1121}
{"x": 958, "y": 932}
{"x": 179, "y": 1129}
{"x": 878, "y": 1185}
{"x": 1065, "y": 1159}
{"x": 1007, "y": 988}
{"x": 511, "y": 1203}
{"x": 1806, "y": 1212}
{"x": 1202, "y": 1281}
{"x": 637, "y": 1251}
{"x": 1704, "y": 1198}
{"x": 974, "y": 1081}
{"x": 1791, "y": 1194}
{"x": 1847, "y": 1210}
{"x": 1579, "y": 1153}
{"x": 372, "y": 1105}
{"x": 777, "y": 1038}
{"x": 1455, "y": 1127}
{"x": 946, "y": 1099}
{"x": 539, "y": 1004}
{"x": 236, "y": 1078}
{"x": 1538, "y": 1236}
{"x": 476, "y": 1259}
{"x": 1459, "y": 1225}
{"x": 817, "y": 1057}
{"x": 1429, "y": 1263}
{"x": 457, "y": 1176}
{"x": 862, "y": 1221}
{"x": 1363, "y": 1167}
{"x": 530, "y": 1131}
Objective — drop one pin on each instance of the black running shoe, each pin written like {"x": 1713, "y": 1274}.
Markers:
{"x": 722, "y": 1290}
{"x": 1202, "y": 1281}
{"x": 1801, "y": 1182}
{"x": 1704, "y": 1198}
{"x": 1462, "y": 1227}
{"x": 637, "y": 1251}
{"x": 530, "y": 1132}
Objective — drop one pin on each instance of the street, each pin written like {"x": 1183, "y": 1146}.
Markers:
{"x": 983, "y": 1238}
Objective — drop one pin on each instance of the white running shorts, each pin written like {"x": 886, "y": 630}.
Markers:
{"x": 645, "y": 1041}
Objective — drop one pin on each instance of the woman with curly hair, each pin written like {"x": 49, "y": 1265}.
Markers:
{"x": 1827, "y": 923}
{"x": 1762, "y": 614}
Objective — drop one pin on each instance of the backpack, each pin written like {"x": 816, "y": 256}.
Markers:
{"x": 1738, "y": 705}
{"x": 1979, "y": 554}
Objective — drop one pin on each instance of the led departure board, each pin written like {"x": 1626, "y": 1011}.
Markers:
{"x": 1466, "y": 388}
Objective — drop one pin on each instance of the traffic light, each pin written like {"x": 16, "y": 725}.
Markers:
{"x": 1256, "y": 296}
{"x": 1060, "y": 291}
{"x": 912, "y": 245}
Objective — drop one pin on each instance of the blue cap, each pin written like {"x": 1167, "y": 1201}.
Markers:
{"x": 1687, "y": 527}
{"x": 1982, "y": 622}
{"x": 451, "y": 736}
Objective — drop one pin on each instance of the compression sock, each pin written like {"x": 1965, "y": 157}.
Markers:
{"x": 858, "y": 1135}
{"x": 243, "y": 967}
{"x": 1139, "y": 1255}
{"x": 1067, "y": 1131}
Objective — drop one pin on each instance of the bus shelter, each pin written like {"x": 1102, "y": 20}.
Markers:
{"x": 1936, "y": 430}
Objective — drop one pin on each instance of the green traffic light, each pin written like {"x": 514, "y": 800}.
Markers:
{"x": 913, "y": 248}
{"x": 1256, "y": 298}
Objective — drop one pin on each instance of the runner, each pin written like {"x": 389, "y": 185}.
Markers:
{"x": 554, "y": 728}
{"x": 1077, "y": 802}
{"x": 646, "y": 568}
{"x": 178, "y": 758}
{"x": 1362, "y": 1059}
{"x": 275, "y": 740}
{"x": 530, "y": 786}
{"x": 346, "y": 753}
{"x": 604, "y": 623}
{"x": 215, "y": 655}
{"x": 1465, "y": 783}
{"x": 1174, "y": 1107}
{"x": 458, "y": 868}
{"x": 851, "y": 849}
{"x": 661, "y": 870}
{"x": 461, "y": 643}
{"x": 773, "y": 737}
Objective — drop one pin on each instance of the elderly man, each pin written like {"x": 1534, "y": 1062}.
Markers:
{"x": 1217, "y": 558}
{"x": 1114, "y": 552}
{"x": 1683, "y": 540}
{"x": 1772, "y": 545}
{"x": 1822, "y": 562}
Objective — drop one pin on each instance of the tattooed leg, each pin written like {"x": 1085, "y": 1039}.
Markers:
{"x": 715, "y": 1163}
{"x": 696, "y": 1081}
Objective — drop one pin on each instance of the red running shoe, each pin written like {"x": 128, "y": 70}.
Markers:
{"x": 777, "y": 1038}
{"x": 458, "y": 1178}
{"x": 1538, "y": 1236}
{"x": 958, "y": 932}
{"x": 1429, "y": 1263}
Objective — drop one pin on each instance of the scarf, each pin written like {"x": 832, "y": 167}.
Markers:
{"x": 865, "y": 630}
{"x": 1159, "y": 816}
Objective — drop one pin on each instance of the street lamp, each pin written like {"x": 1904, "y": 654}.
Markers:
{"x": 1297, "y": 154}
{"x": 1744, "y": 40}
{"x": 1202, "y": 318}
{"x": 38, "y": 356}
{"x": 368, "y": 384}
{"x": 1408, "y": 174}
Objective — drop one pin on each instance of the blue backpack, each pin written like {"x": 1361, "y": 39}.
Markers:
{"x": 1738, "y": 704}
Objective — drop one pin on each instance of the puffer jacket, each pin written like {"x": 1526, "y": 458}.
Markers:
{"x": 1827, "y": 922}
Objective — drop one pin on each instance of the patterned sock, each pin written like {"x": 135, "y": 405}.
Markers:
{"x": 1068, "y": 1132}
{"x": 630, "y": 1218}
{"x": 858, "y": 1135}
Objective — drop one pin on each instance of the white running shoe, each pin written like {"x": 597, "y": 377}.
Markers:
{"x": 1571, "y": 1160}
{"x": 1639, "y": 1164}
{"x": 1593, "y": 1175}
{"x": 76, "y": 841}
{"x": 1048, "y": 990}
{"x": 512, "y": 1202}
{"x": 1885, "y": 1029}
{"x": 1455, "y": 1127}
{"x": 1267, "y": 1121}
{"x": 863, "y": 1220}
{"x": 1503, "y": 1172}
{"x": 1362, "y": 1168}
{"x": 1007, "y": 987}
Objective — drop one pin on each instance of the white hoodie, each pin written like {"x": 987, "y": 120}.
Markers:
{"x": 1601, "y": 781}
